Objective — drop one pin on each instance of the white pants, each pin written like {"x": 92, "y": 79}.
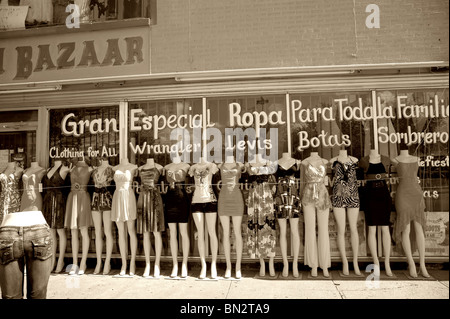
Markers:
{"x": 317, "y": 252}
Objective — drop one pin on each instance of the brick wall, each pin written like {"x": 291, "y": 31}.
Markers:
{"x": 215, "y": 34}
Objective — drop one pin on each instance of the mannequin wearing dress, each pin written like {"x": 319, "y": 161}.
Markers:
{"x": 410, "y": 206}
{"x": 288, "y": 208}
{"x": 345, "y": 202}
{"x": 231, "y": 206}
{"x": 10, "y": 195}
{"x": 124, "y": 211}
{"x": 54, "y": 208}
{"x": 373, "y": 191}
{"x": 31, "y": 197}
{"x": 102, "y": 177}
{"x": 204, "y": 209}
{"x": 150, "y": 212}
{"x": 78, "y": 214}
{"x": 316, "y": 202}
{"x": 177, "y": 211}
{"x": 261, "y": 225}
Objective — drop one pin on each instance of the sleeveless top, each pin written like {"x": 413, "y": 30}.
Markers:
{"x": 31, "y": 197}
{"x": 9, "y": 193}
{"x": 149, "y": 178}
{"x": 314, "y": 191}
{"x": 345, "y": 185}
{"x": 230, "y": 177}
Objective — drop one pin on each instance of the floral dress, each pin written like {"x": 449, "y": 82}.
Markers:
{"x": 261, "y": 225}
{"x": 9, "y": 194}
{"x": 102, "y": 198}
{"x": 287, "y": 198}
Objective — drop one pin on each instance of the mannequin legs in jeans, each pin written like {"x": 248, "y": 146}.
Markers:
{"x": 21, "y": 247}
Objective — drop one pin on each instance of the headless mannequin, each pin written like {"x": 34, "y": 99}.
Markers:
{"x": 310, "y": 213}
{"x": 211, "y": 220}
{"x": 158, "y": 238}
{"x": 35, "y": 169}
{"x": 352, "y": 215}
{"x": 286, "y": 162}
{"x": 61, "y": 232}
{"x": 124, "y": 166}
{"x": 183, "y": 228}
{"x": 11, "y": 168}
{"x": 75, "y": 240}
{"x": 404, "y": 157}
{"x": 98, "y": 217}
{"x": 262, "y": 270}
{"x": 38, "y": 172}
{"x": 375, "y": 158}
{"x": 237, "y": 224}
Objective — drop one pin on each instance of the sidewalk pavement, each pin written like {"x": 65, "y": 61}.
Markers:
{"x": 89, "y": 286}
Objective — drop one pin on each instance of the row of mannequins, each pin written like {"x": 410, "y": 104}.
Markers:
{"x": 274, "y": 197}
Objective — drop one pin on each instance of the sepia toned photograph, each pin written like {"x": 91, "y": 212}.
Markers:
{"x": 224, "y": 158}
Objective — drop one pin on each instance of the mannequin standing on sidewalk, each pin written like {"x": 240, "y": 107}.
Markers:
{"x": 316, "y": 203}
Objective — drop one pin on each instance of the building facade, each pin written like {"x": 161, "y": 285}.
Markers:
{"x": 326, "y": 76}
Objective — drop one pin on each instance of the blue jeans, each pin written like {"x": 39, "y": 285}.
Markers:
{"x": 25, "y": 246}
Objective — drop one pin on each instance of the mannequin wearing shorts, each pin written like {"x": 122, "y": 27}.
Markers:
{"x": 204, "y": 207}
{"x": 102, "y": 177}
{"x": 25, "y": 244}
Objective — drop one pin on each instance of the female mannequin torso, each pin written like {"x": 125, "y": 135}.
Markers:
{"x": 31, "y": 197}
{"x": 10, "y": 195}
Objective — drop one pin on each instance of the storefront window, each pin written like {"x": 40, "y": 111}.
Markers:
{"x": 18, "y": 138}
{"x": 156, "y": 128}
{"x": 329, "y": 122}
{"x": 417, "y": 121}
{"x": 85, "y": 133}
{"x": 249, "y": 125}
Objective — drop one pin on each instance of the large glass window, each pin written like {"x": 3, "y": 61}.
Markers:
{"x": 417, "y": 121}
{"x": 85, "y": 133}
{"x": 266, "y": 118}
{"x": 329, "y": 122}
{"x": 156, "y": 128}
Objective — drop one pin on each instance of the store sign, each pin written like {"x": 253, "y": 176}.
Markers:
{"x": 346, "y": 112}
{"x": 241, "y": 126}
{"x": 84, "y": 133}
{"x": 75, "y": 55}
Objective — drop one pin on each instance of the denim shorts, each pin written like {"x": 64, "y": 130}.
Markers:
{"x": 18, "y": 242}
